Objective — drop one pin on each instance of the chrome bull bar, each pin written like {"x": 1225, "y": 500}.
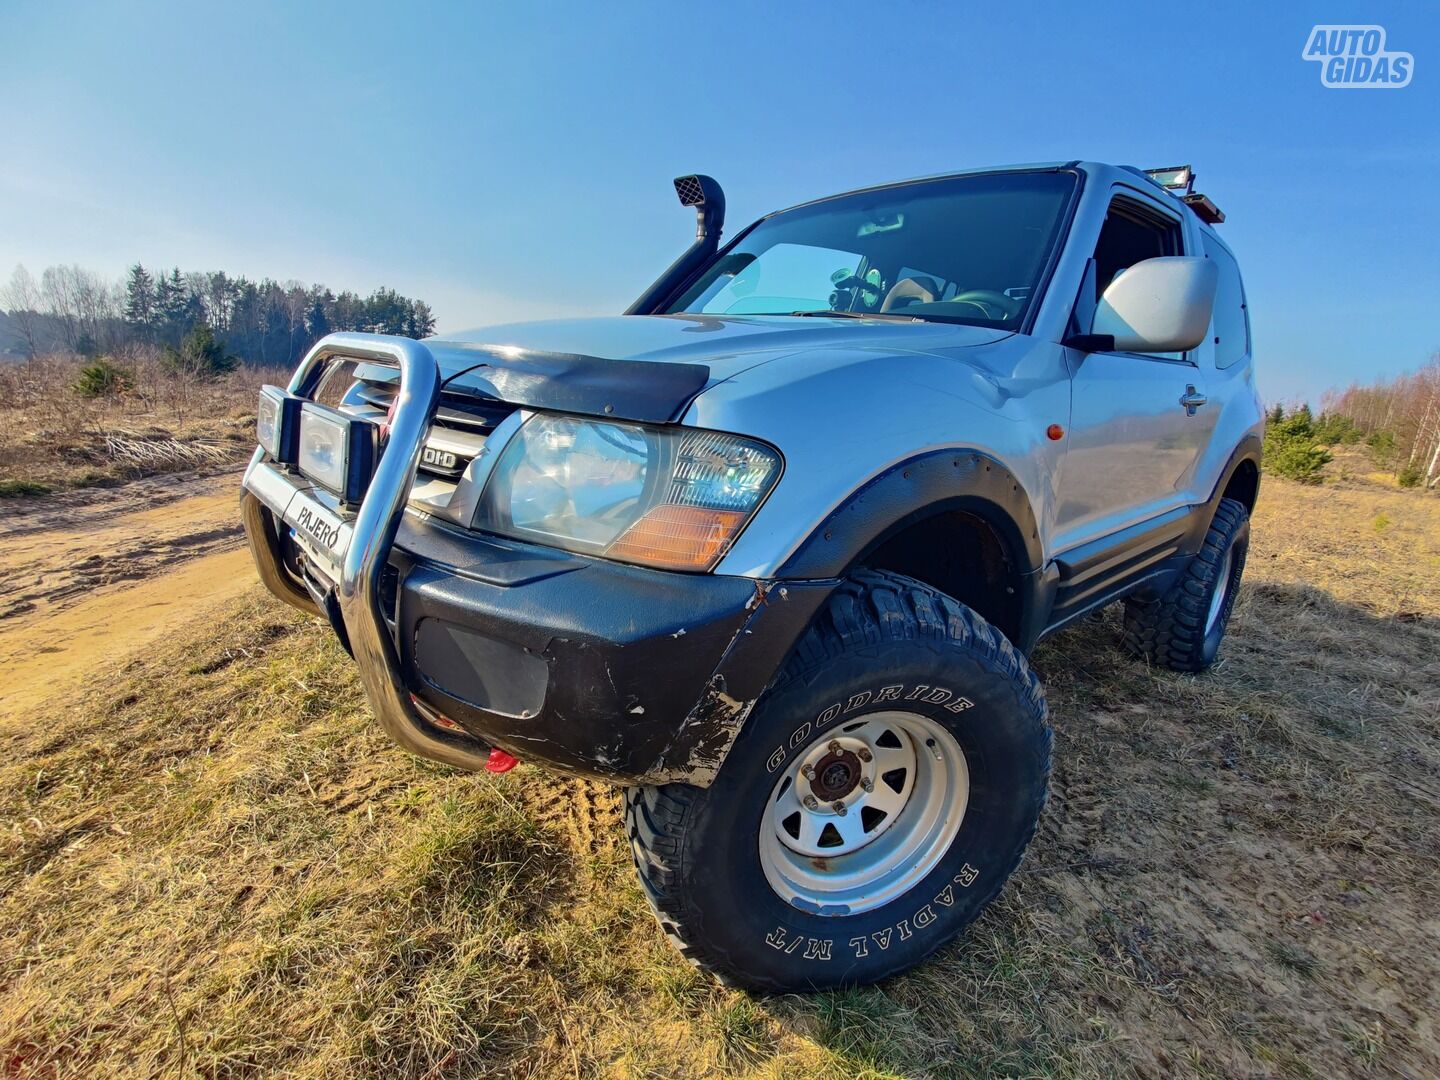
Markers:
{"x": 373, "y": 532}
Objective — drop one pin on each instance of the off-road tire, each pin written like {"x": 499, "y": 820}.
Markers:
{"x": 697, "y": 850}
{"x": 1172, "y": 629}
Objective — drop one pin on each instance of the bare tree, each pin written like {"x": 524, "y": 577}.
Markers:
{"x": 99, "y": 303}
{"x": 297, "y": 303}
{"x": 1405, "y": 409}
{"x": 22, "y": 301}
{"x": 58, "y": 290}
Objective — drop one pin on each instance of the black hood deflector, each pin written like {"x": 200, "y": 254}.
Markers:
{"x": 645, "y": 391}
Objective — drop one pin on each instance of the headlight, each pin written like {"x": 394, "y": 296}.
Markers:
{"x": 277, "y": 424}
{"x": 674, "y": 498}
{"x": 337, "y": 450}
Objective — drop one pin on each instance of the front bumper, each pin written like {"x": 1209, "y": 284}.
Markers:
{"x": 466, "y": 642}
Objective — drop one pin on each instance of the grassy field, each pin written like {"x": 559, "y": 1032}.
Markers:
{"x": 213, "y": 864}
{"x": 53, "y": 438}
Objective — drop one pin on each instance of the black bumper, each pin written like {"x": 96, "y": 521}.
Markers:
{"x": 588, "y": 666}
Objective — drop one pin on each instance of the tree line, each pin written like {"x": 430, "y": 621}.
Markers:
{"x": 1398, "y": 419}
{"x": 261, "y": 322}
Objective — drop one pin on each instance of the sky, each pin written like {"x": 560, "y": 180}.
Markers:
{"x": 513, "y": 161}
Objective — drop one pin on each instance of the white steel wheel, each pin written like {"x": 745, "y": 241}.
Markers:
{"x": 863, "y": 813}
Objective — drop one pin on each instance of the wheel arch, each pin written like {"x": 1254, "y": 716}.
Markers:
{"x": 1242, "y": 478}
{"x": 958, "y": 520}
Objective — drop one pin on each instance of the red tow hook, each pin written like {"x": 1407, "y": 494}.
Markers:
{"x": 500, "y": 761}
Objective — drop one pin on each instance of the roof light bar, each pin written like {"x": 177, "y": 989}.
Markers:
{"x": 1178, "y": 178}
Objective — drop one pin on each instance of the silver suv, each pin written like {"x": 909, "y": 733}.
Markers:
{"x": 770, "y": 549}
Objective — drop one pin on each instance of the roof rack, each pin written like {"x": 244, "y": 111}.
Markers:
{"x": 1179, "y": 180}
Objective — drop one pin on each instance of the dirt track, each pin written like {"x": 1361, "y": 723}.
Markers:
{"x": 89, "y": 575}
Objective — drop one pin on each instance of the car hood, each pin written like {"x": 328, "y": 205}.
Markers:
{"x": 725, "y": 345}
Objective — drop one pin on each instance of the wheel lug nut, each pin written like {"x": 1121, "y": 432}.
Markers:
{"x": 809, "y": 772}
{"x": 834, "y": 746}
{"x": 811, "y": 803}
{"x": 867, "y": 783}
{"x": 865, "y": 755}
{"x": 839, "y": 808}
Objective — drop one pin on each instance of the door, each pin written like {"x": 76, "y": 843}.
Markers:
{"x": 1138, "y": 422}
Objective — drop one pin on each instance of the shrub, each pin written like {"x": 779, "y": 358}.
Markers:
{"x": 1410, "y": 476}
{"x": 13, "y": 489}
{"x": 1382, "y": 447}
{"x": 1291, "y": 449}
{"x": 103, "y": 378}
{"x": 201, "y": 354}
{"x": 1298, "y": 459}
{"x": 1333, "y": 428}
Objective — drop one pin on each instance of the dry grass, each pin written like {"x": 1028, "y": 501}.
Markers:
{"x": 213, "y": 864}
{"x": 52, "y": 438}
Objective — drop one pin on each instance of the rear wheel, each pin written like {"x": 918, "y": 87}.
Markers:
{"x": 880, "y": 795}
{"x": 1183, "y": 629}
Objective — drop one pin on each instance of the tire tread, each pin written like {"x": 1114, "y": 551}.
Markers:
{"x": 868, "y": 608}
{"x": 1170, "y": 629}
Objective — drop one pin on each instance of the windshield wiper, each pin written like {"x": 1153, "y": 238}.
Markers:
{"x": 855, "y": 315}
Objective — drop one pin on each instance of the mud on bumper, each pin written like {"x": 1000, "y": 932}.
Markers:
{"x": 466, "y": 642}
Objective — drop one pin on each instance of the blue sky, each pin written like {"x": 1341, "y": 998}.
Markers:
{"x": 513, "y": 161}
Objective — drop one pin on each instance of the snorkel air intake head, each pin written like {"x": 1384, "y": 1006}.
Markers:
{"x": 705, "y": 195}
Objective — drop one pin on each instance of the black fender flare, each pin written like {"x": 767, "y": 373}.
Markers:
{"x": 1250, "y": 449}
{"x": 918, "y": 488}
{"x": 910, "y": 491}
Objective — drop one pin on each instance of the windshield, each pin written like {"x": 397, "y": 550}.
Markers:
{"x": 966, "y": 249}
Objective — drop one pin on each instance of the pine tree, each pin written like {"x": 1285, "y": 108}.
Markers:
{"x": 422, "y": 320}
{"x": 200, "y": 354}
{"x": 140, "y": 300}
{"x": 172, "y": 305}
{"x": 318, "y": 321}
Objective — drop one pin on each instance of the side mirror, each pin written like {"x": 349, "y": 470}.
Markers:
{"x": 1158, "y": 305}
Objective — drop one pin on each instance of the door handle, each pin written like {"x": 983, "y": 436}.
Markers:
{"x": 1192, "y": 399}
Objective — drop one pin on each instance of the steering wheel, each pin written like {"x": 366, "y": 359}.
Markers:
{"x": 986, "y": 300}
{"x": 856, "y": 282}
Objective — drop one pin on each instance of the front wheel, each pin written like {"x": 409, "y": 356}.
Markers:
{"x": 880, "y": 795}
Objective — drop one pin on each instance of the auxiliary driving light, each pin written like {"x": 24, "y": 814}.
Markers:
{"x": 277, "y": 424}
{"x": 337, "y": 451}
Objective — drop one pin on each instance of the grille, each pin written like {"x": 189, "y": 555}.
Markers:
{"x": 462, "y": 421}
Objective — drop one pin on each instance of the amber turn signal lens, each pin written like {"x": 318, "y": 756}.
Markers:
{"x": 678, "y": 537}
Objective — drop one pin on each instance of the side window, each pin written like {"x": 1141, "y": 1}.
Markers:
{"x": 1131, "y": 234}
{"x": 1231, "y": 321}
